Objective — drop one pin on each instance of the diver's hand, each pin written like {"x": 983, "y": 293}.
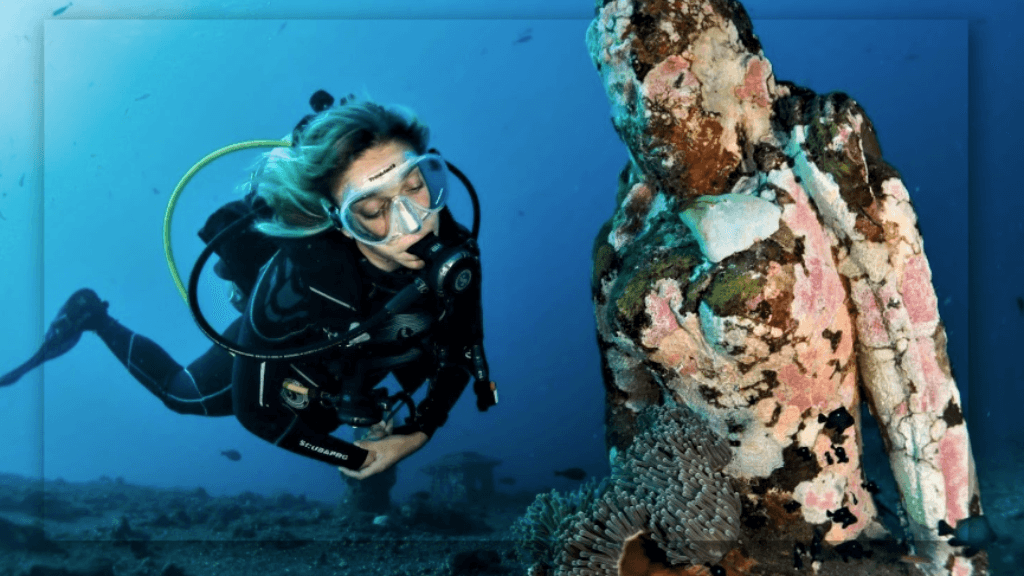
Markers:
{"x": 385, "y": 453}
{"x": 380, "y": 430}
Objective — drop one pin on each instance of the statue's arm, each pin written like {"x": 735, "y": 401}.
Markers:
{"x": 901, "y": 343}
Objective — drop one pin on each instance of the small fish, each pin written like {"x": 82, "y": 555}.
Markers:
{"x": 61, "y": 10}
{"x": 524, "y": 36}
{"x": 1020, "y": 304}
{"x": 572, "y": 473}
{"x": 507, "y": 480}
{"x": 232, "y": 455}
{"x": 143, "y": 97}
{"x": 21, "y": 182}
{"x": 973, "y": 532}
{"x": 281, "y": 29}
{"x": 155, "y": 191}
{"x": 2, "y": 217}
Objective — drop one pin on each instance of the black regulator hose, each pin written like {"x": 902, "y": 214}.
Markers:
{"x": 356, "y": 335}
{"x": 472, "y": 196}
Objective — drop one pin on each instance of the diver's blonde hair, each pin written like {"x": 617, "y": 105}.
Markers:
{"x": 296, "y": 182}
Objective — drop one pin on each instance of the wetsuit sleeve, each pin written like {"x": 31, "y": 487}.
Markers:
{"x": 259, "y": 407}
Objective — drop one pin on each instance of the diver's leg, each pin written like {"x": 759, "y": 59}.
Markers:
{"x": 203, "y": 388}
{"x": 82, "y": 311}
{"x": 206, "y": 383}
{"x": 16, "y": 374}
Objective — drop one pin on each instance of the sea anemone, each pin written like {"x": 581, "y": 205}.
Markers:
{"x": 537, "y": 531}
{"x": 666, "y": 488}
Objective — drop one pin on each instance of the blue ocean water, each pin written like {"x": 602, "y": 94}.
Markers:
{"x": 128, "y": 106}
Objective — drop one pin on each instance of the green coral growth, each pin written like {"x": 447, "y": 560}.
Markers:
{"x": 603, "y": 255}
{"x": 837, "y": 165}
{"x": 676, "y": 265}
{"x": 821, "y": 132}
{"x": 624, "y": 184}
{"x": 604, "y": 258}
{"x": 819, "y": 135}
{"x": 730, "y": 290}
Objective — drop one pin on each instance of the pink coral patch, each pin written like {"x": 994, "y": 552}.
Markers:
{"x": 817, "y": 295}
{"x": 827, "y": 499}
{"x": 671, "y": 77}
{"x": 864, "y": 508}
{"x": 802, "y": 391}
{"x": 962, "y": 567}
{"x": 818, "y": 291}
{"x": 870, "y": 326}
{"x": 936, "y": 393}
{"x": 953, "y": 460}
{"x": 755, "y": 87}
{"x": 659, "y": 308}
{"x": 918, "y": 294}
{"x": 894, "y": 187}
{"x": 677, "y": 351}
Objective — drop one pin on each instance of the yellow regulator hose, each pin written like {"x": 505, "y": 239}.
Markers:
{"x": 168, "y": 252}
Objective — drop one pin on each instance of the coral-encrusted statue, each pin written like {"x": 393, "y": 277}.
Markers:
{"x": 763, "y": 274}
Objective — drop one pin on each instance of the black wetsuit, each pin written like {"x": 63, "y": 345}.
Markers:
{"x": 310, "y": 287}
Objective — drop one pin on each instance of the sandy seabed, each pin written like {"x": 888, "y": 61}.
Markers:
{"x": 108, "y": 527}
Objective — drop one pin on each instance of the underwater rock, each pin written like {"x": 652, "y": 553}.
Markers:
{"x": 101, "y": 568}
{"x": 171, "y": 569}
{"x": 15, "y": 536}
{"x": 473, "y": 562}
{"x": 124, "y": 532}
{"x": 764, "y": 268}
{"x": 37, "y": 503}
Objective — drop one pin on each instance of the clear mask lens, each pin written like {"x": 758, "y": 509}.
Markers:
{"x": 395, "y": 201}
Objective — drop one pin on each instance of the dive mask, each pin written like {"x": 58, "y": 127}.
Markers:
{"x": 393, "y": 201}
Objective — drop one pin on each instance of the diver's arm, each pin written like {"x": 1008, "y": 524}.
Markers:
{"x": 386, "y": 452}
{"x": 259, "y": 407}
{"x": 284, "y": 428}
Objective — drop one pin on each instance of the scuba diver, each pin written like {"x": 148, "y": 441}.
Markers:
{"x": 347, "y": 266}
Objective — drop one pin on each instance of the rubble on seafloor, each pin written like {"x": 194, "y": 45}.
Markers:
{"x": 110, "y": 527}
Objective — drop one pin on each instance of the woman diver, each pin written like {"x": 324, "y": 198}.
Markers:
{"x": 353, "y": 269}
